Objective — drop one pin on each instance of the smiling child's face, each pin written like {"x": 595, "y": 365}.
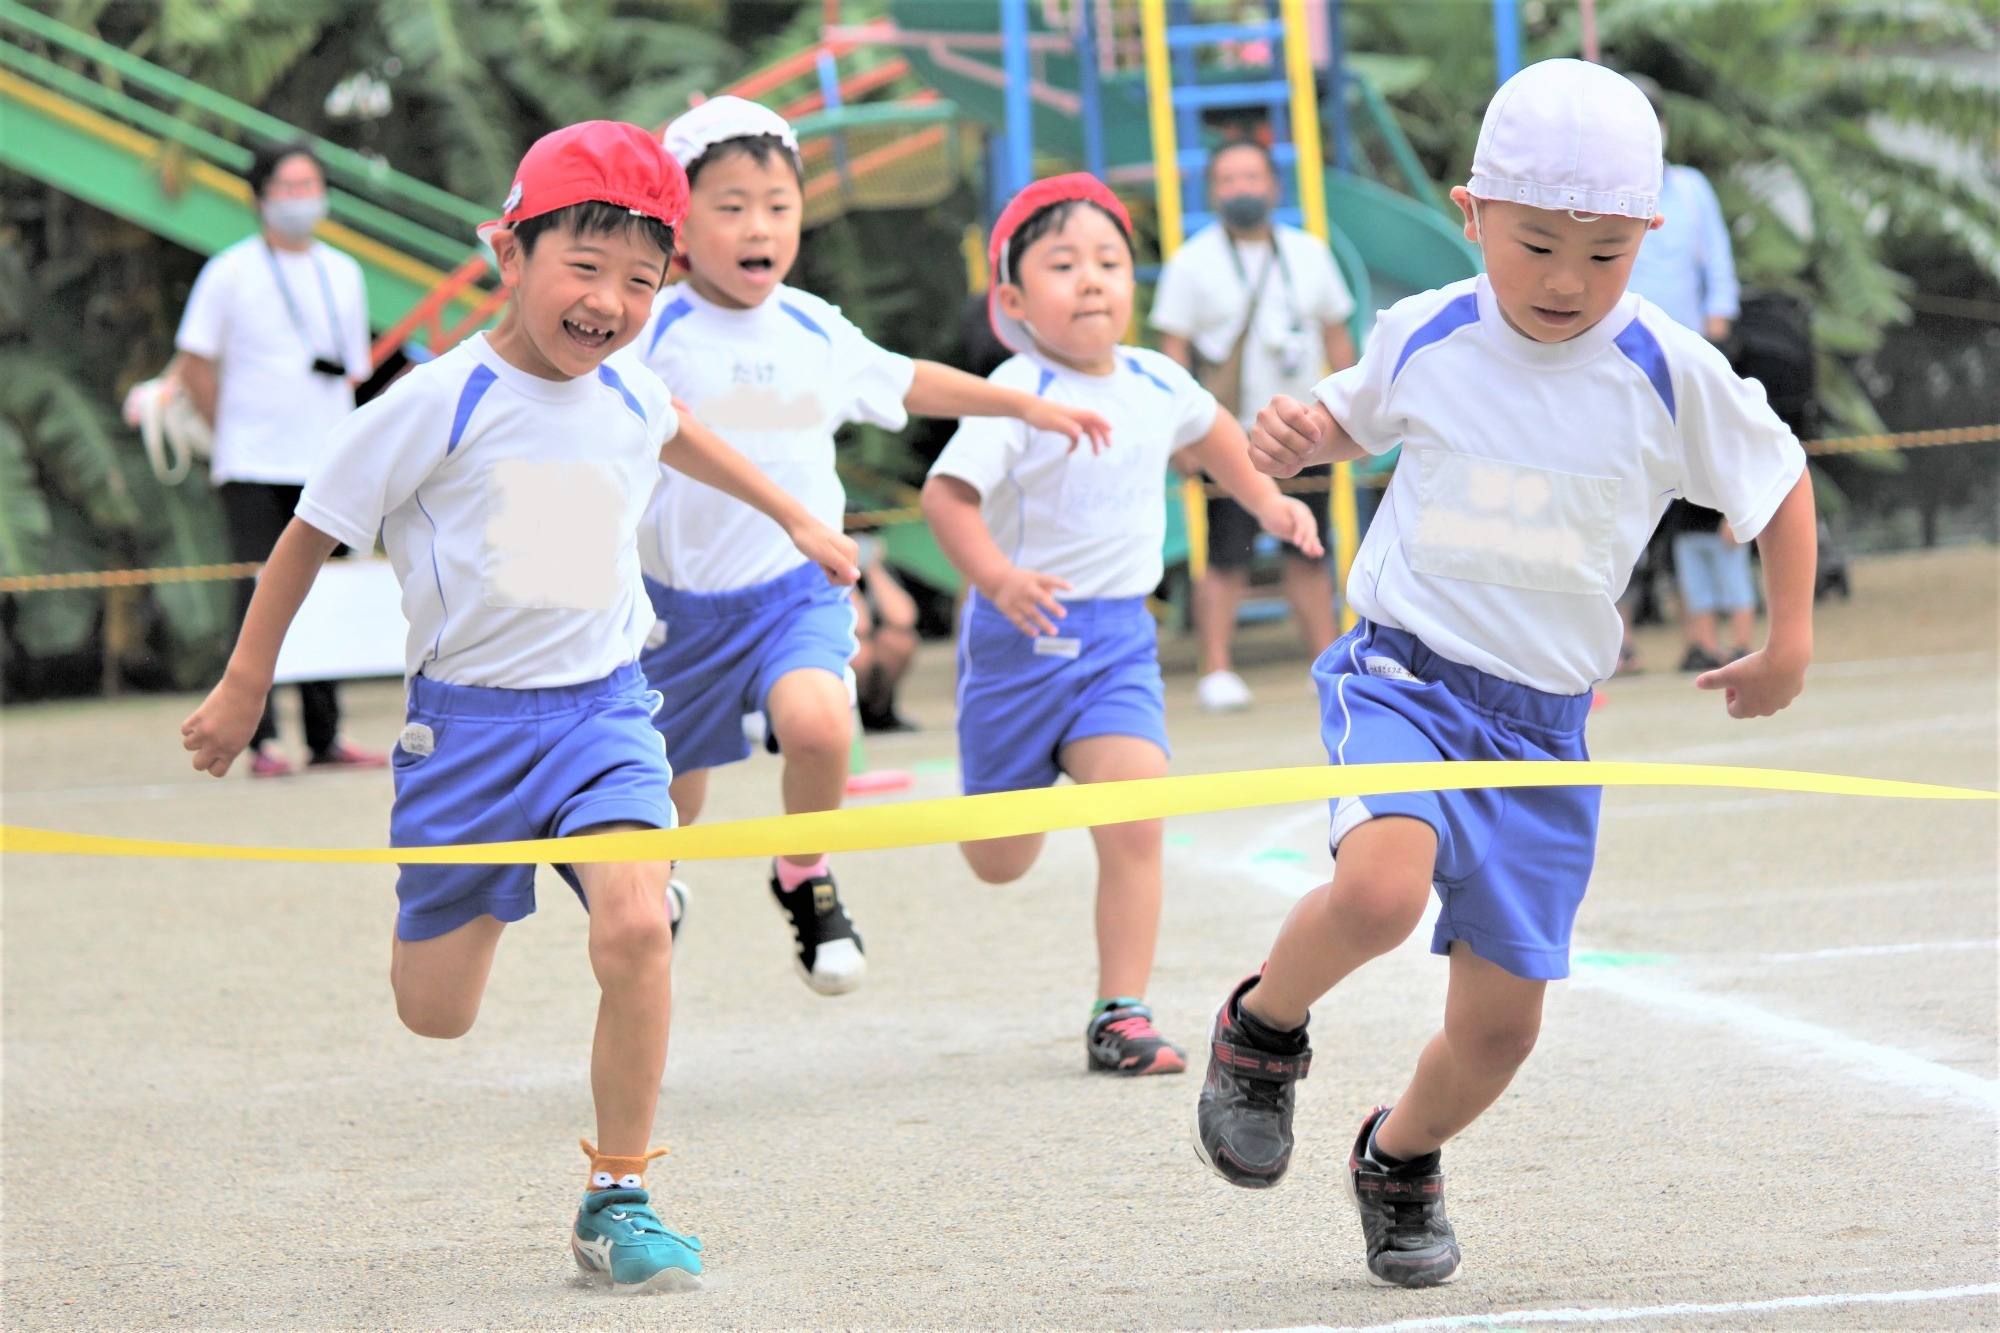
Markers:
{"x": 578, "y": 297}
{"x": 1553, "y": 275}
{"x": 1073, "y": 289}
{"x": 742, "y": 230}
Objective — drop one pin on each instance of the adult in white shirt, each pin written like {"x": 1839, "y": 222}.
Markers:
{"x": 272, "y": 343}
{"x": 1274, "y": 288}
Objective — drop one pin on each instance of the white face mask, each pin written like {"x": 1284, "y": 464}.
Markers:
{"x": 294, "y": 219}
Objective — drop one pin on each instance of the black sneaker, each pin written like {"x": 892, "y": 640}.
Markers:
{"x": 1123, "y": 1040}
{"x": 1243, "y": 1121}
{"x": 1699, "y": 659}
{"x": 830, "y": 958}
{"x": 1402, "y": 1215}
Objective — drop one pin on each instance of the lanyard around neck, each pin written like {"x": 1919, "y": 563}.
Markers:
{"x": 292, "y": 306}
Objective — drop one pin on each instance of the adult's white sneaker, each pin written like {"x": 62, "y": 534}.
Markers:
{"x": 1222, "y": 692}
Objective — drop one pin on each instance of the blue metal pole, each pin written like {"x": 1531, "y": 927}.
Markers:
{"x": 1086, "y": 80}
{"x": 1507, "y": 37}
{"x": 829, "y": 91}
{"x": 1336, "y": 83}
{"x": 1020, "y": 158}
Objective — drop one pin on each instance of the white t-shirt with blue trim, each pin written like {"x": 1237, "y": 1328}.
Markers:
{"x": 775, "y": 381}
{"x": 509, "y": 506}
{"x": 1097, "y": 520}
{"x": 1533, "y": 474}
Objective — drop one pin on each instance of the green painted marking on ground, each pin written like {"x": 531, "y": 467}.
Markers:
{"x": 1622, "y": 959}
{"x": 1284, "y": 854}
{"x": 1180, "y": 840}
{"x": 934, "y": 766}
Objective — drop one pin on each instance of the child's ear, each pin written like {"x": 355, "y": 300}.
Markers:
{"x": 1012, "y": 300}
{"x": 509, "y": 255}
{"x": 1463, "y": 198}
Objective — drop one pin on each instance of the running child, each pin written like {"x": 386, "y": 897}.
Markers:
{"x": 1058, "y": 661}
{"x": 746, "y": 624}
{"x": 506, "y": 479}
{"x": 1546, "y": 417}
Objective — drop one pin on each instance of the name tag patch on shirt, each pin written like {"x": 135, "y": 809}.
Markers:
{"x": 1492, "y": 521}
{"x": 552, "y": 535}
{"x": 1046, "y": 646}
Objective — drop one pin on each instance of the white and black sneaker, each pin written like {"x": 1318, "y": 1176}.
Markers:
{"x": 830, "y": 957}
{"x": 677, "y": 904}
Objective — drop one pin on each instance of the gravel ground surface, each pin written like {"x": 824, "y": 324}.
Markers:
{"x": 1772, "y": 1077}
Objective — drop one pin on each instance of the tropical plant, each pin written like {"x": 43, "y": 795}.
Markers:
{"x": 1832, "y": 130}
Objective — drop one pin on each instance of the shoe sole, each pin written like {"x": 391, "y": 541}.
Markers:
{"x": 1091, "y": 1065}
{"x": 1201, "y": 1152}
{"x": 828, "y": 985}
{"x": 1375, "y": 1279}
{"x": 667, "y": 1279}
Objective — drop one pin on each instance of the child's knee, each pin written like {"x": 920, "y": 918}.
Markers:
{"x": 1495, "y": 1044}
{"x": 816, "y": 735}
{"x": 428, "y": 1016}
{"x": 631, "y": 925}
{"x": 1001, "y": 860}
{"x": 1142, "y": 839}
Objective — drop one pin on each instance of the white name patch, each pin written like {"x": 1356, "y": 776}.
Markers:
{"x": 1046, "y": 646}
{"x": 1523, "y": 527}
{"x": 1389, "y": 668}
{"x": 552, "y": 532}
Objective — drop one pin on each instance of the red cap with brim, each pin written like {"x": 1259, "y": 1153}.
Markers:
{"x": 601, "y": 161}
{"x": 1054, "y": 190}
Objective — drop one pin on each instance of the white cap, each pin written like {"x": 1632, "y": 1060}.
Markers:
{"x": 1571, "y": 136}
{"x": 720, "y": 118}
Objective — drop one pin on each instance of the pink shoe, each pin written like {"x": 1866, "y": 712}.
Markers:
{"x": 268, "y": 763}
{"x": 343, "y": 755}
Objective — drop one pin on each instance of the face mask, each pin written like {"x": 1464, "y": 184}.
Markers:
{"x": 1245, "y": 211}
{"x": 294, "y": 219}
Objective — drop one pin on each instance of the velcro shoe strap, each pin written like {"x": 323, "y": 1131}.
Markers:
{"x": 1249, "y": 1062}
{"x": 1399, "y": 1189}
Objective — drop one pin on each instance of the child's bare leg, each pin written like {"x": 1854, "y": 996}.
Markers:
{"x": 809, "y": 712}
{"x": 1381, "y": 882}
{"x": 689, "y": 793}
{"x": 1701, "y": 632}
{"x": 439, "y": 982}
{"x": 1002, "y": 860}
{"x": 1491, "y": 1019}
{"x": 632, "y": 954}
{"x": 1128, "y": 864}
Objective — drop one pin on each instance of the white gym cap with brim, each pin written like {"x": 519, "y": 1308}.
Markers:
{"x": 722, "y": 118}
{"x": 1570, "y": 136}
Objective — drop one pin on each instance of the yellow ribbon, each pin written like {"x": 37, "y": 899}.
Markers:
{"x": 1004, "y": 814}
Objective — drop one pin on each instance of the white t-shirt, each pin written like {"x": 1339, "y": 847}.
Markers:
{"x": 262, "y": 315}
{"x": 1203, "y": 295}
{"x": 1533, "y": 474}
{"x": 1097, "y": 520}
{"x": 509, "y": 506}
{"x": 775, "y": 381}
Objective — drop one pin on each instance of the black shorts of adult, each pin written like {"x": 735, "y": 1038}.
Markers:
{"x": 1232, "y": 529}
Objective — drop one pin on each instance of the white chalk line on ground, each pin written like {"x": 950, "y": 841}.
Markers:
{"x": 1625, "y": 1314}
{"x": 1881, "y": 1064}
{"x": 1867, "y": 951}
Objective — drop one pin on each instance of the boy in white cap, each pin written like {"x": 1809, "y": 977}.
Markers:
{"x": 746, "y": 624}
{"x": 1547, "y": 417}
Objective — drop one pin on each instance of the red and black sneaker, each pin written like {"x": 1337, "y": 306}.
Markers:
{"x": 1123, "y": 1040}
{"x": 1243, "y": 1122}
{"x": 1410, "y": 1244}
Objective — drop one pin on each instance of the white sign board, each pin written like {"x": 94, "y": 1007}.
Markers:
{"x": 350, "y": 626}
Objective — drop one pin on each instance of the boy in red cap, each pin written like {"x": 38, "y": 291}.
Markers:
{"x": 506, "y": 480}
{"x": 746, "y": 627}
{"x": 1058, "y": 665}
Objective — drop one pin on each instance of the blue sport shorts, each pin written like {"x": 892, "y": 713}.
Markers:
{"x": 1021, "y": 699}
{"x": 1512, "y": 864}
{"x": 490, "y": 765}
{"x": 724, "y": 651}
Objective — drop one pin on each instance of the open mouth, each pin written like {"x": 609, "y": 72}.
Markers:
{"x": 1548, "y": 316}
{"x": 759, "y": 265}
{"x": 586, "y": 335}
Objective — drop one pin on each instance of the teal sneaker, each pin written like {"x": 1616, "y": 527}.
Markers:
{"x": 619, "y": 1239}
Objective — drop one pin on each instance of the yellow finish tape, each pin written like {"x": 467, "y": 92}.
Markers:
{"x": 1005, "y": 814}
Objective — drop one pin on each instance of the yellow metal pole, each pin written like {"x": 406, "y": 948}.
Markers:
{"x": 1312, "y": 204}
{"x": 1167, "y": 202}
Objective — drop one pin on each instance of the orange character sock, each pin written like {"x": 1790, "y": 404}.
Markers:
{"x": 611, "y": 1173}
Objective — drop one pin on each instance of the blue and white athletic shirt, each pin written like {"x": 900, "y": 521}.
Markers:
{"x": 509, "y": 506}
{"x": 1097, "y": 520}
{"x": 1533, "y": 474}
{"x": 775, "y": 381}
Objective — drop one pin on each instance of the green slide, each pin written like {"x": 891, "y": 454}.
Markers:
{"x": 134, "y": 139}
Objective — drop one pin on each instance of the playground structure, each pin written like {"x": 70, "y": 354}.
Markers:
{"x": 884, "y": 112}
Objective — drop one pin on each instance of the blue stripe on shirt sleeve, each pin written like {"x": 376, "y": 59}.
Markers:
{"x": 1457, "y": 314}
{"x": 610, "y": 377}
{"x": 1643, "y": 350}
{"x": 476, "y": 384}
{"x": 807, "y": 320}
{"x": 678, "y": 309}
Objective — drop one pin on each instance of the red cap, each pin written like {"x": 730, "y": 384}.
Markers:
{"x": 606, "y": 161}
{"x": 1032, "y": 200}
